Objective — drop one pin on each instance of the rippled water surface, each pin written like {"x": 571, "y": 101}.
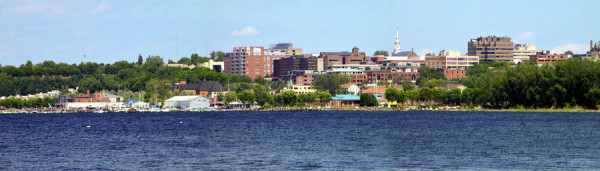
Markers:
{"x": 300, "y": 140}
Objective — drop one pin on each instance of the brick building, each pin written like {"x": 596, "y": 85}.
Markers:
{"x": 344, "y": 57}
{"x": 455, "y": 73}
{"x": 546, "y": 58}
{"x": 452, "y": 64}
{"x": 248, "y": 61}
{"x": 388, "y": 76}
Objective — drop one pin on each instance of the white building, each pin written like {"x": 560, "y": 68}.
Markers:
{"x": 141, "y": 105}
{"x": 354, "y": 89}
{"x": 216, "y": 66}
{"x": 95, "y": 105}
{"x": 300, "y": 89}
{"x": 187, "y": 102}
{"x": 523, "y": 51}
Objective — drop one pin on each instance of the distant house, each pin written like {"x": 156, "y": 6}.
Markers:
{"x": 187, "y": 102}
{"x": 354, "y": 89}
{"x": 97, "y": 97}
{"x": 208, "y": 89}
{"x": 345, "y": 100}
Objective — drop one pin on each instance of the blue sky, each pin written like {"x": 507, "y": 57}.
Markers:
{"x": 107, "y": 31}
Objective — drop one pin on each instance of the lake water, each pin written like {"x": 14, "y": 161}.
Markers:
{"x": 300, "y": 141}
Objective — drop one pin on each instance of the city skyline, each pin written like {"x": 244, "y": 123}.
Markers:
{"x": 108, "y": 31}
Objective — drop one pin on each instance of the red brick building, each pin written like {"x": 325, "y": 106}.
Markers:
{"x": 250, "y": 61}
{"x": 546, "y": 58}
{"x": 455, "y": 73}
{"x": 87, "y": 97}
{"x": 344, "y": 57}
{"x": 387, "y": 76}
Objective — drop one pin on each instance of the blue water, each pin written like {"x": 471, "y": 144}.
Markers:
{"x": 300, "y": 141}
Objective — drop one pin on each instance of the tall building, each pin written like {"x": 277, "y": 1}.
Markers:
{"x": 492, "y": 48}
{"x": 248, "y": 61}
{"x": 344, "y": 57}
{"x": 297, "y": 62}
{"x": 523, "y": 51}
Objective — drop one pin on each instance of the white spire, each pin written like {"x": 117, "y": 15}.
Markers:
{"x": 397, "y": 44}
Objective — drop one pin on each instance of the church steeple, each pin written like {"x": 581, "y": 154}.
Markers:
{"x": 397, "y": 44}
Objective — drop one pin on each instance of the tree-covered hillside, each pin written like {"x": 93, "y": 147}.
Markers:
{"x": 32, "y": 78}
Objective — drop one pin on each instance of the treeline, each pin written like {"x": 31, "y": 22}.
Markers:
{"x": 259, "y": 94}
{"x": 564, "y": 84}
{"x": 426, "y": 95}
{"x": 142, "y": 75}
{"x": 13, "y": 102}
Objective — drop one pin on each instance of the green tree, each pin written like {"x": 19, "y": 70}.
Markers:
{"x": 247, "y": 97}
{"x": 184, "y": 60}
{"x": 428, "y": 73}
{"x": 426, "y": 94}
{"x": 230, "y": 97}
{"x": 593, "y": 98}
{"x": 195, "y": 58}
{"x": 289, "y": 97}
{"x": 153, "y": 63}
{"x": 260, "y": 80}
{"x": 221, "y": 96}
{"x": 439, "y": 94}
{"x": 217, "y": 55}
{"x": 311, "y": 97}
{"x": 453, "y": 96}
{"x": 262, "y": 95}
{"x": 368, "y": 100}
{"x": 332, "y": 84}
{"x": 381, "y": 52}
{"x": 395, "y": 95}
{"x": 324, "y": 97}
{"x": 407, "y": 85}
{"x": 158, "y": 89}
{"x": 140, "y": 60}
{"x": 412, "y": 95}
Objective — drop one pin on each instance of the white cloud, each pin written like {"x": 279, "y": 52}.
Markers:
{"x": 527, "y": 36}
{"x": 574, "y": 47}
{"x": 248, "y": 31}
{"x": 425, "y": 51}
{"x": 103, "y": 6}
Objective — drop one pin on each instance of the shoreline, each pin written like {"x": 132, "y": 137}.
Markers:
{"x": 293, "y": 109}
